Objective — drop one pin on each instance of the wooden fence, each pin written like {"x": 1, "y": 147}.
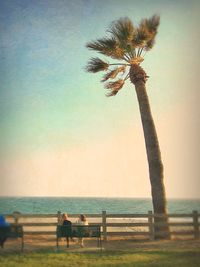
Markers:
{"x": 140, "y": 225}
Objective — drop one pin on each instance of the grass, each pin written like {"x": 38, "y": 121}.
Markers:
{"x": 131, "y": 258}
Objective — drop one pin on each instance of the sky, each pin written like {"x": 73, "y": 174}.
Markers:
{"x": 60, "y": 135}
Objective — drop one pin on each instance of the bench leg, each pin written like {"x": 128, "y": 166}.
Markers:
{"x": 2, "y": 241}
{"x": 67, "y": 241}
{"x": 57, "y": 242}
{"x": 22, "y": 248}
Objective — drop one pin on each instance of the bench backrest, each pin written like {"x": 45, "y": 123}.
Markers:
{"x": 78, "y": 231}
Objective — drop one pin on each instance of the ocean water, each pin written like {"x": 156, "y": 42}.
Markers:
{"x": 90, "y": 205}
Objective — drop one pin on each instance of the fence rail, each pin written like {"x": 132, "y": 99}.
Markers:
{"x": 113, "y": 224}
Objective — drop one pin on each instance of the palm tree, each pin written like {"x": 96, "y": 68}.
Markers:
{"x": 128, "y": 44}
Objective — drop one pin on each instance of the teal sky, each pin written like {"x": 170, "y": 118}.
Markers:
{"x": 50, "y": 106}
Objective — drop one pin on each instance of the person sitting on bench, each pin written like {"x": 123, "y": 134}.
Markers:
{"x": 81, "y": 221}
{"x": 4, "y": 230}
{"x": 66, "y": 221}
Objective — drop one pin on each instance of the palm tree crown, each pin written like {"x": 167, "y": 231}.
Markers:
{"x": 126, "y": 43}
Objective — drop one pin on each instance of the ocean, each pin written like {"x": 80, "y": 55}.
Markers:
{"x": 90, "y": 205}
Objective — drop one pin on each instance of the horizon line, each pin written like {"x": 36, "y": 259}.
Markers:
{"x": 119, "y": 197}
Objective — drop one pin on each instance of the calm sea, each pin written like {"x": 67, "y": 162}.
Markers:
{"x": 90, "y": 205}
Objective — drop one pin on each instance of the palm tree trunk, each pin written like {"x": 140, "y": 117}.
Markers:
{"x": 161, "y": 227}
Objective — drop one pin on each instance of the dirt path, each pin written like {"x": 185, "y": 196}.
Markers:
{"x": 48, "y": 243}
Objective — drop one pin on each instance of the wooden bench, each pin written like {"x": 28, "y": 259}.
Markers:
{"x": 13, "y": 231}
{"x": 79, "y": 231}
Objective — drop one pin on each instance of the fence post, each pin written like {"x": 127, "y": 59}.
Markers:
{"x": 104, "y": 225}
{"x": 16, "y": 217}
{"x": 151, "y": 227}
{"x": 196, "y": 224}
{"x": 59, "y": 217}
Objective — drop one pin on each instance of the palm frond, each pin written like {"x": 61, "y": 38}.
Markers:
{"x": 141, "y": 37}
{"x": 114, "y": 87}
{"x": 146, "y": 32}
{"x": 112, "y": 93}
{"x": 122, "y": 30}
{"x": 96, "y": 64}
{"x": 152, "y": 23}
{"x": 107, "y": 46}
{"x": 113, "y": 73}
{"x": 102, "y": 44}
{"x": 149, "y": 45}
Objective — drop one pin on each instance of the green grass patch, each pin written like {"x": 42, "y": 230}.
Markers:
{"x": 139, "y": 258}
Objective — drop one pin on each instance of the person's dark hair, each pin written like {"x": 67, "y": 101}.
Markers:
{"x": 83, "y": 218}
